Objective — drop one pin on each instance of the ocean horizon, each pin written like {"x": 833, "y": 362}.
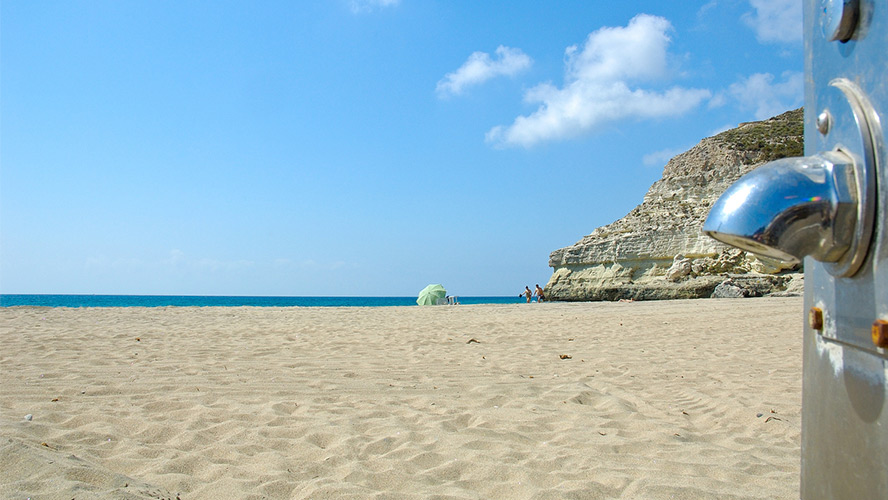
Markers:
{"x": 85, "y": 300}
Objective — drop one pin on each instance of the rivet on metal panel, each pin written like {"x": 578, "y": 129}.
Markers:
{"x": 823, "y": 122}
{"x": 815, "y": 318}
{"x": 840, "y": 18}
{"x": 880, "y": 333}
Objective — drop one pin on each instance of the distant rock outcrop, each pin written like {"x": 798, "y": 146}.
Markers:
{"x": 658, "y": 250}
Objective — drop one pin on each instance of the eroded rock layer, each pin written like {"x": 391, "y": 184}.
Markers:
{"x": 658, "y": 250}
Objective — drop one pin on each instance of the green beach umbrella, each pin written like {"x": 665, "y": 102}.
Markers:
{"x": 429, "y": 295}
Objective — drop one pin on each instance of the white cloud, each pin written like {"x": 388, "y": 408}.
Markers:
{"x": 723, "y": 128}
{"x": 175, "y": 258}
{"x": 361, "y": 6}
{"x": 480, "y": 67}
{"x": 767, "y": 98}
{"x": 660, "y": 158}
{"x": 314, "y": 265}
{"x": 597, "y": 88}
{"x": 706, "y": 8}
{"x": 775, "y": 20}
{"x": 207, "y": 264}
{"x": 179, "y": 260}
{"x": 718, "y": 100}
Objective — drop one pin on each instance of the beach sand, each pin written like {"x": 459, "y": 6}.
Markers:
{"x": 687, "y": 399}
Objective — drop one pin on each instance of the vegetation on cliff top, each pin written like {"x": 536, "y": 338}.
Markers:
{"x": 771, "y": 139}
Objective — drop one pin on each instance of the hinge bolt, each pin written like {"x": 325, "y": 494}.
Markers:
{"x": 824, "y": 120}
{"x": 840, "y": 19}
{"x": 815, "y": 318}
{"x": 880, "y": 333}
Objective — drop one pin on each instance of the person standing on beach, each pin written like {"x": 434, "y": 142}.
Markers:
{"x": 527, "y": 293}
{"x": 539, "y": 293}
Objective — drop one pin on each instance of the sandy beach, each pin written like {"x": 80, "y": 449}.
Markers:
{"x": 651, "y": 400}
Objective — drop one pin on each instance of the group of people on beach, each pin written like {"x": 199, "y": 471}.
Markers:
{"x": 531, "y": 294}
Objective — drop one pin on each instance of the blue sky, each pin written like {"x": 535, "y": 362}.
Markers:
{"x": 354, "y": 147}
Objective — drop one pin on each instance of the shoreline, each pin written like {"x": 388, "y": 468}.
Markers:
{"x": 100, "y": 300}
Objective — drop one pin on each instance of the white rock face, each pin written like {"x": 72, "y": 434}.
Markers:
{"x": 681, "y": 267}
{"x": 658, "y": 250}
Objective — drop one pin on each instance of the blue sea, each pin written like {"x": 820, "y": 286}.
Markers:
{"x": 10, "y": 300}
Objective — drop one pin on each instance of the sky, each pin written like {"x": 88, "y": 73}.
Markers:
{"x": 354, "y": 147}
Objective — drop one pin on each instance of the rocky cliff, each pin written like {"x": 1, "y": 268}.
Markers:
{"x": 658, "y": 250}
